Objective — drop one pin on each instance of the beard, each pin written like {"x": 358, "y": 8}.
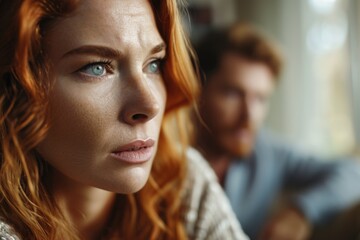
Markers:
{"x": 238, "y": 141}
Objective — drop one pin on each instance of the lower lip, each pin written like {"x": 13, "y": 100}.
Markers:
{"x": 138, "y": 156}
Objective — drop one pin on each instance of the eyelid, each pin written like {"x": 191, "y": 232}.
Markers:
{"x": 104, "y": 62}
{"x": 157, "y": 56}
{"x": 160, "y": 61}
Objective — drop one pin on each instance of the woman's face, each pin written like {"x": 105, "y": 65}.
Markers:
{"x": 108, "y": 95}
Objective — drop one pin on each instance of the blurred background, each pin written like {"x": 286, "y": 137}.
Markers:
{"x": 317, "y": 103}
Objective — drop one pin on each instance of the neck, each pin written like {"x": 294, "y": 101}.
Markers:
{"x": 87, "y": 208}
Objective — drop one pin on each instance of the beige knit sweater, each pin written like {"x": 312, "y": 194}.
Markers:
{"x": 209, "y": 215}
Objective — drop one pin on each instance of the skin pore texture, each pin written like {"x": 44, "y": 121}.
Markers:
{"x": 239, "y": 92}
{"x": 107, "y": 92}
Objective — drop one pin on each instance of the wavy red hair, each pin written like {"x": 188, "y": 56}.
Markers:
{"x": 152, "y": 213}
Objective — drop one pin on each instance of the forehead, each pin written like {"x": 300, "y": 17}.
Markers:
{"x": 236, "y": 71}
{"x": 107, "y": 22}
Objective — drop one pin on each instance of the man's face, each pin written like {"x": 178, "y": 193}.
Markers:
{"x": 234, "y": 103}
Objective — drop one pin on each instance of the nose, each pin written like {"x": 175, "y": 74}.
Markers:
{"x": 141, "y": 105}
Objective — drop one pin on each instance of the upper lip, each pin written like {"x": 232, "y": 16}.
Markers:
{"x": 136, "y": 145}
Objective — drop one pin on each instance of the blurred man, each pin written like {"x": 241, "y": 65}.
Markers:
{"x": 241, "y": 69}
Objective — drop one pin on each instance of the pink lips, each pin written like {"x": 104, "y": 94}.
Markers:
{"x": 138, "y": 151}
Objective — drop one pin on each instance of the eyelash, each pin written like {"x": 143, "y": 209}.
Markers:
{"x": 106, "y": 63}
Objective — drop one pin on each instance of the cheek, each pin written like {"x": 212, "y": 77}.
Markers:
{"x": 79, "y": 119}
{"x": 159, "y": 91}
{"x": 228, "y": 107}
{"x": 216, "y": 113}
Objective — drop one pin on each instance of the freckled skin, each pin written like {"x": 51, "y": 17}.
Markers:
{"x": 91, "y": 117}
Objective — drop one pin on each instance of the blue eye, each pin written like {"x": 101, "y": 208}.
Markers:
{"x": 154, "y": 66}
{"x": 96, "y": 69}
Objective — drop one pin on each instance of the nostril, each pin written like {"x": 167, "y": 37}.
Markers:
{"x": 140, "y": 111}
{"x": 139, "y": 117}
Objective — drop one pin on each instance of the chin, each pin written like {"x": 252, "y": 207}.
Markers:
{"x": 130, "y": 188}
{"x": 133, "y": 181}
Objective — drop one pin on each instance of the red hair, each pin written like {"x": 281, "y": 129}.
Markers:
{"x": 152, "y": 213}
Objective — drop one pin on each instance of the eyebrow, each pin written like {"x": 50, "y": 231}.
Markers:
{"x": 158, "y": 48}
{"x": 107, "y": 52}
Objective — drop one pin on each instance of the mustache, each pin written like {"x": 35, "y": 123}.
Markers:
{"x": 242, "y": 127}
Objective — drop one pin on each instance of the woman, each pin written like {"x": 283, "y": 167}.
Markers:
{"x": 89, "y": 94}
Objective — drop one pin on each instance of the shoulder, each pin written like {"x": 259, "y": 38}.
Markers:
{"x": 197, "y": 165}
{"x": 268, "y": 138}
{"x": 272, "y": 147}
{"x": 208, "y": 214}
{"x": 7, "y": 232}
{"x": 201, "y": 182}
